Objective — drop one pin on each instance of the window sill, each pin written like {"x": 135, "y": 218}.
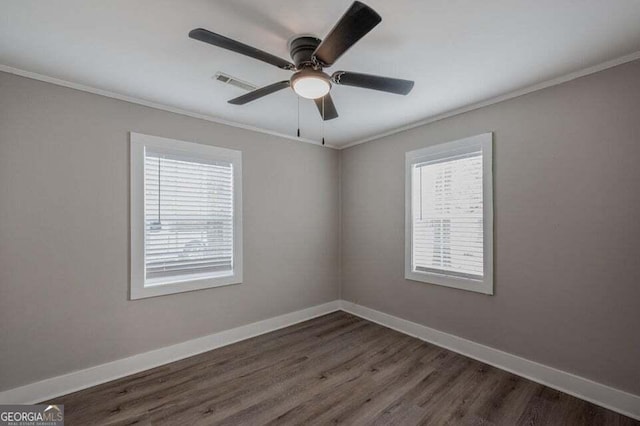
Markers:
{"x": 479, "y": 286}
{"x": 173, "y": 287}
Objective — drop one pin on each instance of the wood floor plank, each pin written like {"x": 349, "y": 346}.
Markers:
{"x": 335, "y": 369}
{"x": 338, "y": 365}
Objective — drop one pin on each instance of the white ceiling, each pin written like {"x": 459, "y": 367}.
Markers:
{"x": 458, "y": 52}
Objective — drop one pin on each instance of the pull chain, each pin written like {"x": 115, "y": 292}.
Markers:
{"x": 323, "y": 120}
{"x": 159, "y": 188}
{"x": 298, "y": 97}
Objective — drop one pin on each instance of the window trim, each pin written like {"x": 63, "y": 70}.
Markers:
{"x": 485, "y": 143}
{"x": 138, "y": 143}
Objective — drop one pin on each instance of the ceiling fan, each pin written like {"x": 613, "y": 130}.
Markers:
{"x": 310, "y": 56}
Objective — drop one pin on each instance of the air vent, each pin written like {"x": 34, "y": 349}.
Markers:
{"x": 227, "y": 79}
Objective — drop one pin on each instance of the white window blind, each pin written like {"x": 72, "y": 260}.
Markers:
{"x": 188, "y": 214}
{"x": 449, "y": 214}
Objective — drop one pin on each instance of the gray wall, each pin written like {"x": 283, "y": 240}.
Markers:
{"x": 567, "y": 196}
{"x": 64, "y": 244}
{"x": 567, "y": 228}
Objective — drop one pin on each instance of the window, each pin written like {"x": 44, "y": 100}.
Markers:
{"x": 186, "y": 216}
{"x": 449, "y": 214}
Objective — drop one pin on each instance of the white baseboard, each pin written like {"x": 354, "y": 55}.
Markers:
{"x": 82, "y": 379}
{"x": 599, "y": 394}
{"x": 605, "y": 396}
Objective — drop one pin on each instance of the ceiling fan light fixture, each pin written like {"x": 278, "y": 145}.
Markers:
{"x": 310, "y": 85}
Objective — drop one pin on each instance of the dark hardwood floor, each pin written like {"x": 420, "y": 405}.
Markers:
{"x": 334, "y": 369}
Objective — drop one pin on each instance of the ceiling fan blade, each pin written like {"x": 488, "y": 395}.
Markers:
{"x": 235, "y": 46}
{"x": 258, "y": 93}
{"x": 354, "y": 24}
{"x": 330, "y": 111}
{"x": 375, "y": 82}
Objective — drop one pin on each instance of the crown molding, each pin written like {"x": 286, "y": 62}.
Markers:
{"x": 491, "y": 101}
{"x": 151, "y": 104}
{"x": 510, "y": 95}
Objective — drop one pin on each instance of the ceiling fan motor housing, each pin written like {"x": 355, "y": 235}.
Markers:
{"x": 301, "y": 49}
